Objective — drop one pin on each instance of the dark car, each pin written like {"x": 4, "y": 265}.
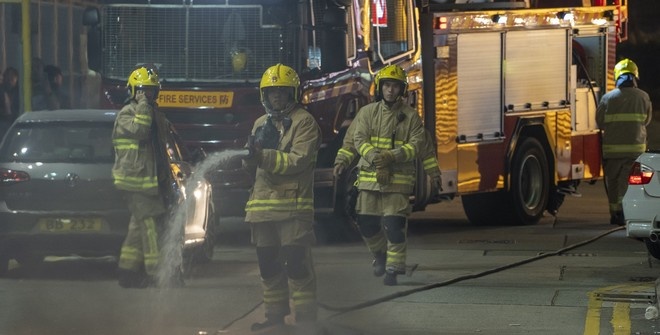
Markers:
{"x": 57, "y": 196}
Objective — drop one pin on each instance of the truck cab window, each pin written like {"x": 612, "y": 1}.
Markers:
{"x": 391, "y": 29}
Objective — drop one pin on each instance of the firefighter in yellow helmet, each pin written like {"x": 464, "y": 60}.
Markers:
{"x": 284, "y": 144}
{"x": 622, "y": 116}
{"x": 140, "y": 168}
{"x": 389, "y": 137}
{"x": 347, "y": 155}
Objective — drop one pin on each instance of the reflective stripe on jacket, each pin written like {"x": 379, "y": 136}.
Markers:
{"x": 284, "y": 180}
{"x": 135, "y": 160}
{"x": 375, "y": 125}
{"x": 622, "y": 115}
{"x": 347, "y": 153}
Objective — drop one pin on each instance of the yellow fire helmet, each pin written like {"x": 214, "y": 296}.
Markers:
{"x": 143, "y": 77}
{"x": 391, "y": 72}
{"x": 280, "y": 75}
{"x": 625, "y": 66}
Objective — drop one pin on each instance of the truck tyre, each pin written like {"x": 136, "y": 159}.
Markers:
{"x": 530, "y": 183}
{"x": 525, "y": 202}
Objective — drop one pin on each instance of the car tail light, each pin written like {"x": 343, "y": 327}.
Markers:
{"x": 13, "y": 176}
{"x": 640, "y": 174}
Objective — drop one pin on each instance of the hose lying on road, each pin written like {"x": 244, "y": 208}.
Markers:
{"x": 342, "y": 310}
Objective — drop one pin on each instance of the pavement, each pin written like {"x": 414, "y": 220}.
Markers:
{"x": 489, "y": 280}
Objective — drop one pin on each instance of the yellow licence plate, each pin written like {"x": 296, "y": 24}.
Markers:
{"x": 70, "y": 225}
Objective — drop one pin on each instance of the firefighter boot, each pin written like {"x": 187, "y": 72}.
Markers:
{"x": 379, "y": 263}
{"x": 390, "y": 278}
{"x": 617, "y": 219}
{"x": 271, "y": 321}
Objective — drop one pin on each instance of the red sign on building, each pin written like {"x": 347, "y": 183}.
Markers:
{"x": 379, "y": 13}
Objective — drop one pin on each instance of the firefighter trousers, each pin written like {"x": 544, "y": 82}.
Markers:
{"x": 382, "y": 221}
{"x": 286, "y": 267}
{"x": 140, "y": 247}
{"x": 616, "y": 172}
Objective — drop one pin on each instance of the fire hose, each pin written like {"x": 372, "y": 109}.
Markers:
{"x": 369, "y": 303}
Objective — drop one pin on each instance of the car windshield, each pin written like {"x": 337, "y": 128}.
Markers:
{"x": 59, "y": 142}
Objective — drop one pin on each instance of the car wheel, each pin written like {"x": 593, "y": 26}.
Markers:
{"x": 653, "y": 248}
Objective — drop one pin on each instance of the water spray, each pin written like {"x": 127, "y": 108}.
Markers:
{"x": 171, "y": 262}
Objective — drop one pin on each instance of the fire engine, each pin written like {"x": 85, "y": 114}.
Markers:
{"x": 509, "y": 89}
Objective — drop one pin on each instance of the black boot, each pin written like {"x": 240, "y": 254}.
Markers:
{"x": 379, "y": 264}
{"x": 271, "y": 321}
{"x": 617, "y": 219}
{"x": 390, "y": 279}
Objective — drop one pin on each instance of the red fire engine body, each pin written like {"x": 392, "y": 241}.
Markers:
{"x": 508, "y": 90}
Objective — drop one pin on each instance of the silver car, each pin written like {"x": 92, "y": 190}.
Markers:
{"x": 641, "y": 204}
{"x": 57, "y": 195}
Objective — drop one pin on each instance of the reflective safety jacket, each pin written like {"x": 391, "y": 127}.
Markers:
{"x": 622, "y": 115}
{"x": 284, "y": 179}
{"x": 347, "y": 153}
{"x": 399, "y": 129}
{"x": 135, "y": 167}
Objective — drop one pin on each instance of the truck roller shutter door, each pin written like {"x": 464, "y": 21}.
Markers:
{"x": 479, "y": 68}
{"x": 536, "y": 69}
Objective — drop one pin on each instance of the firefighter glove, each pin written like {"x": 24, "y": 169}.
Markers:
{"x": 436, "y": 181}
{"x": 338, "y": 170}
{"x": 383, "y": 176}
{"x": 267, "y": 136}
{"x": 253, "y": 151}
{"x": 383, "y": 159}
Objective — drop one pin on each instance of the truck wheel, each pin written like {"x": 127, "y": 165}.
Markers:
{"x": 653, "y": 248}
{"x": 525, "y": 202}
{"x": 530, "y": 182}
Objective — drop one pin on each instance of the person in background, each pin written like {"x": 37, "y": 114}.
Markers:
{"x": 9, "y": 103}
{"x": 284, "y": 144}
{"x": 622, "y": 116}
{"x": 141, "y": 169}
{"x": 389, "y": 137}
{"x": 58, "y": 98}
{"x": 10, "y": 86}
{"x": 40, "y": 87}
